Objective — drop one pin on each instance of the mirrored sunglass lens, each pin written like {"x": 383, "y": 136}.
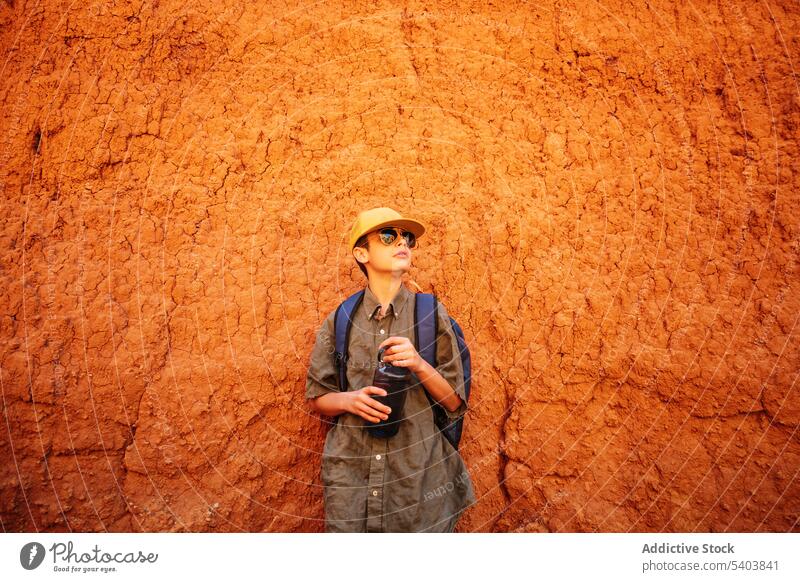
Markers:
{"x": 387, "y": 235}
{"x": 411, "y": 239}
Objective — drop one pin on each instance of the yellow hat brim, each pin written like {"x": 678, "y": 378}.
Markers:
{"x": 405, "y": 223}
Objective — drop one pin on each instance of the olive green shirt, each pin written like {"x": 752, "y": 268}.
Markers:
{"x": 414, "y": 481}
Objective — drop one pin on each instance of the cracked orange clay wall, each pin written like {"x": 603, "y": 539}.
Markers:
{"x": 612, "y": 194}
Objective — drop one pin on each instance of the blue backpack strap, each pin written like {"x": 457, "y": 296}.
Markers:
{"x": 426, "y": 329}
{"x": 342, "y": 322}
{"x": 466, "y": 361}
{"x": 426, "y": 326}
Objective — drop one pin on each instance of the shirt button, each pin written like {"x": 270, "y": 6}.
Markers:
{"x": 374, "y": 492}
{"x": 378, "y": 457}
{"x": 383, "y": 331}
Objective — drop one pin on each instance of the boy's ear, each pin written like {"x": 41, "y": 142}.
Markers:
{"x": 360, "y": 254}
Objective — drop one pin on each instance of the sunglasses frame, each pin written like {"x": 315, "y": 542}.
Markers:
{"x": 396, "y": 230}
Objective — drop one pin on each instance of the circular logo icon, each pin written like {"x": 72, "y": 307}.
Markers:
{"x": 31, "y": 555}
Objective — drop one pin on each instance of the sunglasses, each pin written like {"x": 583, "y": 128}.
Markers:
{"x": 388, "y": 235}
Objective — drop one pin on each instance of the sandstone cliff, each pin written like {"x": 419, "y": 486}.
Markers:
{"x": 612, "y": 194}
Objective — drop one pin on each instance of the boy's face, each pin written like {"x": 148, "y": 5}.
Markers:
{"x": 395, "y": 257}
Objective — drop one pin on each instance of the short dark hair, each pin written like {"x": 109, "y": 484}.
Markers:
{"x": 363, "y": 242}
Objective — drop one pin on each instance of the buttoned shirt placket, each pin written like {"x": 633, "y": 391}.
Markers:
{"x": 377, "y": 464}
{"x": 377, "y": 468}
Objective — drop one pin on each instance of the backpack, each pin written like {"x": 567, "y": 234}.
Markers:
{"x": 425, "y": 331}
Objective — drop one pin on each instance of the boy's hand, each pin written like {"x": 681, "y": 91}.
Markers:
{"x": 362, "y": 404}
{"x": 402, "y": 353}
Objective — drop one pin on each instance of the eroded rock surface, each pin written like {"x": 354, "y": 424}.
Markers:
{"x": 612, "y": 197}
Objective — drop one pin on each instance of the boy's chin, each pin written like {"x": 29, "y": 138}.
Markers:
{"x": 402, "y": 268}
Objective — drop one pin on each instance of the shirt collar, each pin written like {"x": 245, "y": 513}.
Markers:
{"x": 396, "y": 304}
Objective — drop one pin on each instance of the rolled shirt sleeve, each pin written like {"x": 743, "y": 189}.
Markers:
{"x": 321, "y": 378}
{"x": 448, "y": 360}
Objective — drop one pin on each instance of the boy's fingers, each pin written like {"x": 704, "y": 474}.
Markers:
{"x": 378, "y": 406}
{"x": 374, "y": 404}
{"x": 375, "y": 390}
{"x": 366, "y": 412}
{"x": 391, "y": 341}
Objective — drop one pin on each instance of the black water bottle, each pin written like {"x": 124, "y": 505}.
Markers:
{"x": 393, "y": 379}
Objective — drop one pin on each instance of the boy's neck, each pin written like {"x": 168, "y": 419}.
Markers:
{"x": 384, "y": 289}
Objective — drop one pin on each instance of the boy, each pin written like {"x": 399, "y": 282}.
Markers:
{"x": 414, "y": 481}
